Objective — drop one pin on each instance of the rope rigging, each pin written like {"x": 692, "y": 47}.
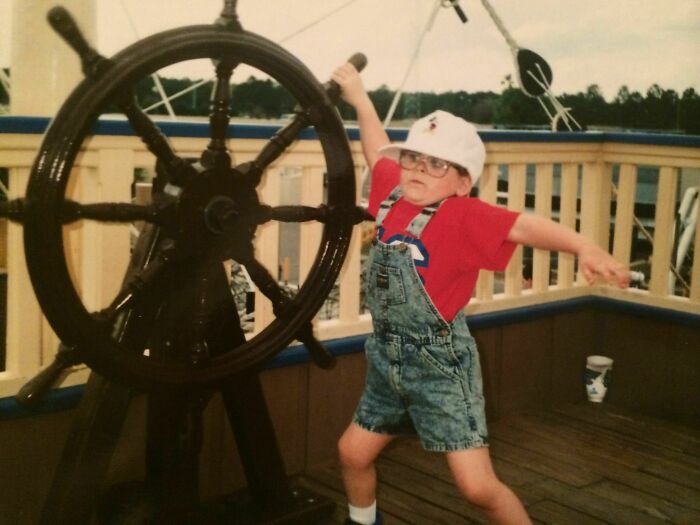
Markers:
{"x": 532, "y": 68}
{"x": 534, "y": 77}
{"x": 156, "y": 79}
{"x": 165, "y": 99}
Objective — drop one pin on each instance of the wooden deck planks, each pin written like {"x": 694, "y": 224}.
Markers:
{"x": 661, "y": 462}
{"x": 576, "y": 430}
{"x": 579, "y": 464}
{"x": 551, "y": 512}
{"x": 593, "y": 505}
{"x": 542, "y": 463}
{"x": 600, "y": 465}
{"x": 654, "y": 505}
{"x": 644, "y": 429}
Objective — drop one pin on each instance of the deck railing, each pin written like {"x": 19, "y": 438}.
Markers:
{"x": 587, "y": 181}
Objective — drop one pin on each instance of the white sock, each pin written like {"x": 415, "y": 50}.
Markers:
{"x": 364, "y": 515}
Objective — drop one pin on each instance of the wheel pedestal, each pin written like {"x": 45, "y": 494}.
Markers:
{"x": 169, "y": 493}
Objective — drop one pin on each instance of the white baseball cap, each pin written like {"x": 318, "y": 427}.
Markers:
{"x": 445, "y": 136}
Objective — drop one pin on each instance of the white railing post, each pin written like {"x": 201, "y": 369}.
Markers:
{"x": 488, "y": 189}
{"x": 23, "y": 339}
{"x": 516, "y": 202}
{"x": 310, "y": 236}
{"x": 568, "y": 197}
{"x": 595, "y": 204}
{"x": 624, "y": 213}
{"x": 544, "y": 179}
{"x": 105, "y": 249}
{"x": 695, "y": 275}
{"x": 663, "y": 231}
{"x": 350, "y": 272}
{"x": 605, "y": 202}
{"x": 267, "y": 246}
{"x": 311, "y": 232}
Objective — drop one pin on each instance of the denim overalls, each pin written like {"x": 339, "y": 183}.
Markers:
{"x": 423, "y": 373}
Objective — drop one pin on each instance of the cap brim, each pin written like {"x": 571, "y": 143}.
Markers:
{"x": 392, "y": 150}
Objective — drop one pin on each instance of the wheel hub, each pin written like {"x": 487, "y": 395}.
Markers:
{"x": 212, "y": 210}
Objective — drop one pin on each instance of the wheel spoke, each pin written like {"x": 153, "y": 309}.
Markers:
{"x": 229, "y": 17}
{"x": 139, "y": 284}
{"x": 110, "y": 212}
{"x": 300, "y": 213}
{"x": 72, "y": 211}
{"x": 179, "y": 171}
{"x": 277, "y": 144}
{"x": 263, "y": 214}
{"x": 203, "y": 311}
{"x": 284, "y": 137}
{"x": 264, "y": 281}
{"x": 269, "y": 287}
{"x": 320, "y": 214}
{"x": 13, "y": 210}
{"x": 36, "y": 388}
{"x": 216, "y": 154}
{"x": 95, "y": 64}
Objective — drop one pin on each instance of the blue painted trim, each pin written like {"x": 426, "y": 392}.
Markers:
{"x": 297, "y": 354}
{"x": 527, "y": 313}
{"x": 27, "y": 125}
{"x": 646, "y": 311}
{"x": 56, "y": 400}
{"x": 654, "y": 139}
{"x": 66, "y": 398}
{"x": 38, "y": 125}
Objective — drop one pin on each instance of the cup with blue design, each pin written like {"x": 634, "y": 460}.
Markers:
{"x": 597, "y": 377}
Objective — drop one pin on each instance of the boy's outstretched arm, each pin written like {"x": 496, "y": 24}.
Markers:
{"x": 538, "y": 232}
{"x": 372, "y": 134}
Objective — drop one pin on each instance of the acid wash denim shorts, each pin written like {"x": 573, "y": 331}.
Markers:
{"x": 428, "y": 384}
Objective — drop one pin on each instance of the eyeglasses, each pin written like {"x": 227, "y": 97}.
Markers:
{"x": 433, "y": 166}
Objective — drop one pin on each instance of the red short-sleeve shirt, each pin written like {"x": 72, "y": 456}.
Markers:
{"x": 464, "y": 236}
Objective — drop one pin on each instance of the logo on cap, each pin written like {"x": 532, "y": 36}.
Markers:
{"x": 432, "y": 124}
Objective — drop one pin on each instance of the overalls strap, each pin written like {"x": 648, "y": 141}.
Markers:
{"x": 386, "y": 205}
{"x": 419, "y": 222}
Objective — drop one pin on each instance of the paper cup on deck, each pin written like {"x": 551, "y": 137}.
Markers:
{"x": 597, "y": 377}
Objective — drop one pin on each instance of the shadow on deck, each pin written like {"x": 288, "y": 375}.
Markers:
{"x": 575, "y": 464}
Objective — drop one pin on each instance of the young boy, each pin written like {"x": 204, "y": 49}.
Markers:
{"x": 423, "y": 366}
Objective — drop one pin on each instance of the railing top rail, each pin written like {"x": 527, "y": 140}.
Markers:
{"x": 652, "y": 139}
{"x": 245, "y": 130}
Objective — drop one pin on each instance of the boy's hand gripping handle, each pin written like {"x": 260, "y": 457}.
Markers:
{"x": 359, "y": 60}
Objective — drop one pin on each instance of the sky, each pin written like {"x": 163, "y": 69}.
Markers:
{"x": 606, "y": 42}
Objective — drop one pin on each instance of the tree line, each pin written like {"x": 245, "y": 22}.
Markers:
{"x": 658, "y": 109}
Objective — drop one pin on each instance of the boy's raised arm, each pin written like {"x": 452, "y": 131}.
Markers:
{"x": 538, "y": 232}
{"x": 372, "y": 134}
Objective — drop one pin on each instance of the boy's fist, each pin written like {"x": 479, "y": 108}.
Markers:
{"x": 595, "y": 262}
{"x": 352, "y": 90}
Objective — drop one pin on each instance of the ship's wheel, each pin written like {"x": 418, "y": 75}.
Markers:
{"x": 173, "y": 329}
{"x": 205, "y": 210}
